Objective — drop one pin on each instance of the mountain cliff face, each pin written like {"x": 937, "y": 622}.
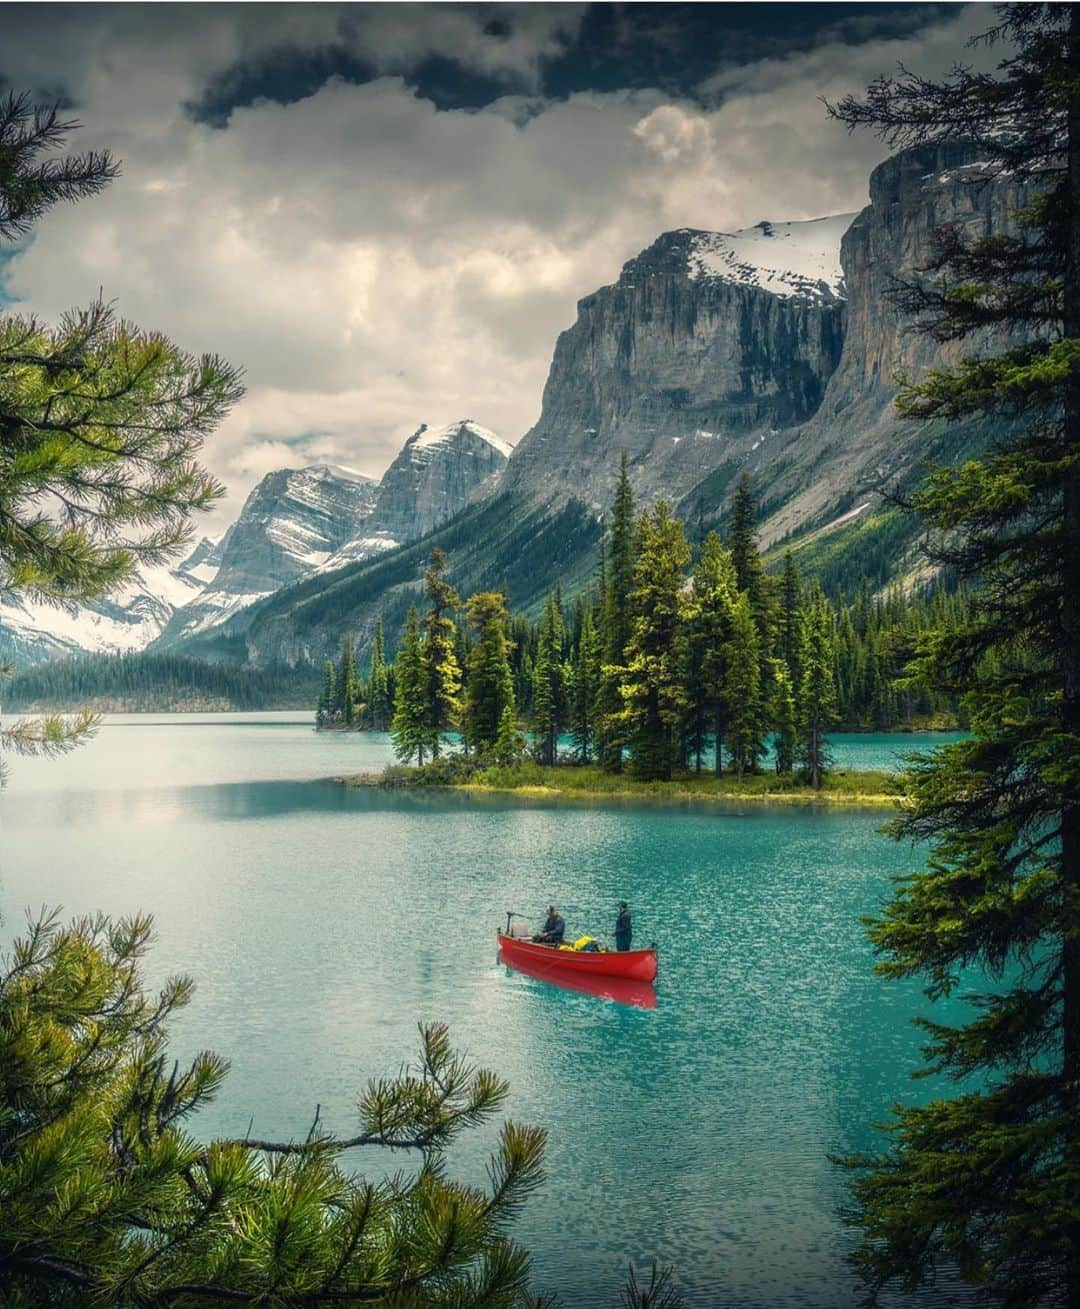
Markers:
{"x": 437, "y": 472}
{"x": 707, "y": 341}
{"x": 855, "y": 444}
{"x": 770, "y": 350}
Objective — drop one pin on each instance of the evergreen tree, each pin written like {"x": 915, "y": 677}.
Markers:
{"x": 101, "y": 422}
{"x": 790, "y": 600}
{"x": 510, "y": 742}
{"x": 442, "y": 672}
{"x": 616, "y": 623}
{"x": 715, "y": 593}
{"x": 550, "y": 705}
{"x": 817, "y": 691}
{"x": 651, "y": 686}
{"x": 490, "y": 688}
{"x": 742, "y": 691}
{"x": 98, "y": 1123}
{"x": 744, "y": 550}
{"x": 328, "y": 696}
{"x": 410, "y": 722}
{"x": 347, "y": 683}
{"x": 784, "y": 719}
{"x": 377, "y": 695}
{"x": 989, "y": 1180}
{"x": 585, "y": 685}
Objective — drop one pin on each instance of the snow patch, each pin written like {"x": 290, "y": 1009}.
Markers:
{"x": 786, "y": 259}
{"x": 427, "y": 437}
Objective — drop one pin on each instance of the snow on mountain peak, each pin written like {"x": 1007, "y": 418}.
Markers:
{"x": 426, "y": 437}
{"x": 787, "y": 259}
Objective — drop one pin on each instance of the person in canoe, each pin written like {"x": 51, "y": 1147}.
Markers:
{"x": 624, "y": 932}
{"x": 553, "y": 930}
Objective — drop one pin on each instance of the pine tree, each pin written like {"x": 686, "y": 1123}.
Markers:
{"x": 348, "y": 684}
{"x": 585, "y": 685}
{"x": 490, "y": 688}
{"x": 328, "y": 696}
{"x": 816, "y": 701}
{"x": 377, "y": 694}
{"x": 550, "y": 705}
{"x": 409, "y": 726}
{"x": 742, "y": 691}
{"x": 790, "y": 600}
{"x": 651, "y": 686}
{"x": 442, "y": 672}
{"x": 989, "y": 1180}
{"x": 99, "y": 1120}
{"x": 616, "y": 623}
{"x": 102, "y": 423}
{"x": 715, "y": 593}
{"x": 510, "y": 742}
{"x": 783, "y": 715}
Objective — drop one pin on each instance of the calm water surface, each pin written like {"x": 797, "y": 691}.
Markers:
{"x": 322, "y": 924}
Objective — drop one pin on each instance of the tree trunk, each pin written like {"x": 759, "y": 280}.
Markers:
{"x": 719, "y": 733}
{"x": 1070, "y": 646}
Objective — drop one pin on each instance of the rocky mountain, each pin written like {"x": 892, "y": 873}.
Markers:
{"x": 31, "y": 630}
{"x": 292, "y": 522}
{"x": 770, "y": 350}
{"x": 295, "y": 523}
{"x": 437, "y": 472}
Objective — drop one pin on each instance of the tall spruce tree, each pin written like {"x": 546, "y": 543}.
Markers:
{"x": 715, "y": 590}
{"x": 409, "y": 725}
{"x": 784, "y": 717}
{"x": 549, "y": 683}
{"x": 347, "y": 683}
{"x": 816, "y": 700}
{"x": 988, "y": 1181}
{"x": 442, "y": 672}
{"x": 618, "y": 567}
{"x": 790, "y": 600}
{"x": 490, "y": 686}
{"x": 742, "y": 689}
{"x": 326, "y": 708}
{"x": 651, "y": 686}
{"x": 584, "y": 686}
{"x": 377, "y": 693}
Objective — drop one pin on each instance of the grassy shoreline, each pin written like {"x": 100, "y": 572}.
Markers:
{"x": 847, "y": 787}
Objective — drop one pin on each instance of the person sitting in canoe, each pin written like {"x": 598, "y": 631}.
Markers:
{"x": 623, "y": 932}
{"x": 553, "y": 929}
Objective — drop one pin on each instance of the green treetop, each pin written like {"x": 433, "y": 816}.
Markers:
{"x": 490, "y": 687}
{"x": 409, "y": 724}
{"x": 742, "y": 689}
{"x": 715, "y": 590}
{"x": 442, "y": 672}
{"x": 816, "y": 698}
{"x": 102, "y": 422}
{"x": 651, "y": 683}
{"x": 377, "y": 693}
{"x": 988, "y": 1181}
{"x": 108, "y": 1196}
{"x": 550, "y": 705}
{"x": 618, "y": 572}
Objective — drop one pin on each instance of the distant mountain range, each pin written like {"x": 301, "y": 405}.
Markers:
{"x": 294, "y": 524}
{"x": 771, "y": 351}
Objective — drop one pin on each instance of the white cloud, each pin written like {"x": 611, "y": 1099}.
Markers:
{"x": 373, "y": 262}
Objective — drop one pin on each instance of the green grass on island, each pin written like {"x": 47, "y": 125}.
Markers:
{"x": 841, "y": 787}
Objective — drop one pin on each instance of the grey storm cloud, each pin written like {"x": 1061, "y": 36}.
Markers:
{"x": 374, "y": 261}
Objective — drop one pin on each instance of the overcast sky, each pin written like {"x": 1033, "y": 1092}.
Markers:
{"x": 386, "y": 213}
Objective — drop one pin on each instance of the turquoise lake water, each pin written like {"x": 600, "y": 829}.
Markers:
{"x": 322, "y": 924}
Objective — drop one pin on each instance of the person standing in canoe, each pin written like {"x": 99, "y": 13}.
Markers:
{"x": 553, "y": 930}
{"x": 624, "y": 932}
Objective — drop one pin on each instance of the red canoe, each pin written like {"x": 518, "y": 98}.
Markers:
{"x": 637, "y": 965}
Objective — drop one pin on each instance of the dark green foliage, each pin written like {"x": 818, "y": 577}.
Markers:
{"x": 651, "y": 680}
{"x": 550, "y": 704}
{"x": 489, "y": 695}
{"x": 615, "y": 623}
{"x": 585, "y": 685}
{"x": 441, "y": 670}
{"x": 101, "y": 422}
{"x": 409, "y": 724}
{"x": 110, "y": 1197}
{"x": 816, "y": 699}
{"x": 378, "y": 693}
{"x": 988, "y": 1182}
{"x": 157, "y": 681}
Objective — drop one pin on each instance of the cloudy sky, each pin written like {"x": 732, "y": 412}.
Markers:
{"x": 386, "y": 212}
